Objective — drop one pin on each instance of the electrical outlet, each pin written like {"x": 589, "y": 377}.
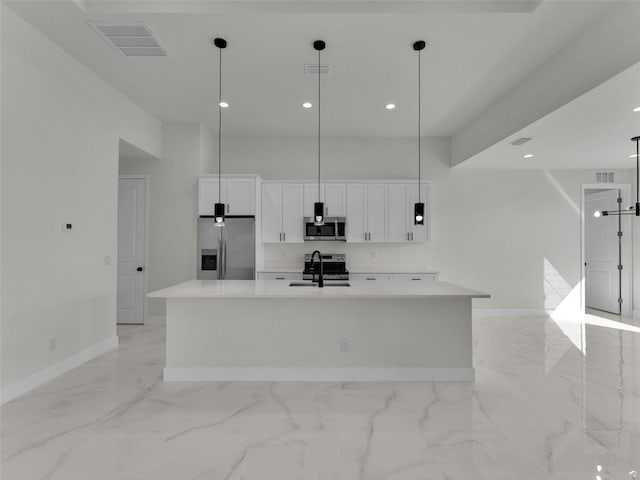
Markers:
{"x": 53, "y": 344}
{"x": 344, "y": 346}
{"x": 66, "y": 227}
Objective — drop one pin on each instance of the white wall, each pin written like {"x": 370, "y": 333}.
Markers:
{"x": 61, "y": 127}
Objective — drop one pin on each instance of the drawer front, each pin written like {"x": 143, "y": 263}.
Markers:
{"x": 370, "y": 277}
{"x": 289, "y": 276}
{"x": 416, "y": 277}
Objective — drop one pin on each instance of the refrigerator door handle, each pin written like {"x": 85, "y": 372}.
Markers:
{"x": 219, "y": 261}
{"x": 224, "y": 259}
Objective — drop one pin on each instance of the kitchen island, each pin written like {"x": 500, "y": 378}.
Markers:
{"x": 221, "y": 330}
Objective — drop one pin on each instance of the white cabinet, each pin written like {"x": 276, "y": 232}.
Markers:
{"x": 208, "y": 194}
{"x": 335, "y": 199}
{"x": 333, "y": 195}
{"x": 401, "y": 228}
{"x": 238, "y": 193}
{"x": 366, "y": 212}
{"x": 241, "y": 196}
{"x": 282, "y": 213}
{"x": 292, "y": 218}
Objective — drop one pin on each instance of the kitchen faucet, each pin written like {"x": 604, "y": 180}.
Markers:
{"x": 313, "y": 270}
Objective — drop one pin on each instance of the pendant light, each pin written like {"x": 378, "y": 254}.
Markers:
{"x": 318, "y": 207}
{"x": 418, "y": 208}
{"x": 219, "y": 208}
{"x": 632, "y": 209}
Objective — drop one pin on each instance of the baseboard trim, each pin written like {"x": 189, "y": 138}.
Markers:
{"x": 510, "y": 312}
{"x": 317, "y": 374}
{"x": 32, "y": 381}
{"x": 157, "y": 320}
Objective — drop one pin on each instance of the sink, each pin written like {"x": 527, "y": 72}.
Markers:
{"x": 326, "y": 284}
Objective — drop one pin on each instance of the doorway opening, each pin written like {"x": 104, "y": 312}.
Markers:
{"x": 606, "y": 250}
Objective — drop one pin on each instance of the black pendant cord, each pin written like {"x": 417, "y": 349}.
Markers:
{"x": 220, "y": 129}
{"x": 419, "y": 127}
{"x": 318, "y": 126}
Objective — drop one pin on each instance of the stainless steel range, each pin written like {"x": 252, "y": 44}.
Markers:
{"x": 334, "y": 267}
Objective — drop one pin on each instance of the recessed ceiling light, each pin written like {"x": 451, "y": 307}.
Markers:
{"x": 224, "y": 104}
{"x": 633, "y": 155}
{"x": 307, "y": 105}
{"x": 390, "y": 106}
{"x": 637, "y": 109}
{"x": 528, "y": 155}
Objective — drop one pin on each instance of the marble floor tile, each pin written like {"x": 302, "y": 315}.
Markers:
{"x": 553, "y": 400}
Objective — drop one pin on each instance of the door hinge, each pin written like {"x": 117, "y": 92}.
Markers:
{"x": 619, "y": 199}
{"x": 619, "y": 267}
{"x": 619, "y": 300}
{"x": 619, "y": 234}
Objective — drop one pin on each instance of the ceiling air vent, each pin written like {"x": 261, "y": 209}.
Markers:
{"x": 312, "y": 68}
{"x": 521, "y": 141}
{"x": 604, "y": 177}
{"x": 131, "y": 39}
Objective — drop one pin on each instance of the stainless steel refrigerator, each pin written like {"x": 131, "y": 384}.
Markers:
{"x": 226, "y": 253}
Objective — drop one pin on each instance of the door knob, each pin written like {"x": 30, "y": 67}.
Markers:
{"x": 140, "y": 269}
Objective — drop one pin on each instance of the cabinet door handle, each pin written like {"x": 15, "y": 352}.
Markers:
{"x": 227, "y": 208}
{"x": 326, "y": 211}
{"x": 284, "y": 236}
{"x": 407, "y": 236}
{"x": 279, "y": 278}
{"x": 412, "y": 236}
{"x": 416, "y": 279}
{"x": 370, "y": 278}
{"x": 280, "y": 236}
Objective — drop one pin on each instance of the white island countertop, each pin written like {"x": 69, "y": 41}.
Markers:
{"x": 279, "y": 289}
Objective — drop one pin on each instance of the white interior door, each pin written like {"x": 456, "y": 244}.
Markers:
{"x": 132, "y": 209}
{"x": 602, "y": 250}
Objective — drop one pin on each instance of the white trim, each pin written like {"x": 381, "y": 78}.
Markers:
{"x": 145, "y": 279}
{"x": 317, "y": 374}
{"x": 510, "y": 312}
{"x": 155, "y": 320}
{"x": 32, "y": 381}
{"x": 627, "y": 241}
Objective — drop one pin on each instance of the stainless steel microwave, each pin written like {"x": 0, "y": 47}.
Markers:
{"x": 334, "y": 228}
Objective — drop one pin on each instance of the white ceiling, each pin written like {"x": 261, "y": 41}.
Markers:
{"x": 473, "y": 58}
{"x": 592, "y": 131}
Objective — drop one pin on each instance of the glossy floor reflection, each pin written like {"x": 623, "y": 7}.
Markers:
{"x": 552, "y": 400}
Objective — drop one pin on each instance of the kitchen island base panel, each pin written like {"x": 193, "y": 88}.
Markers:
{"x": 332, "y": 339}
{"x": 318, "y": 374}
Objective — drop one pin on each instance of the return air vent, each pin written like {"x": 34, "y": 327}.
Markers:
{"x": 604, "y": 177}
{"x": 521, "y": 141}
{"x": 131, "y": 39}
{"x": 312, "y": 68}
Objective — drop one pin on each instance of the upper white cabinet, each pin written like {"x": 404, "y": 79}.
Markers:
{"x": 333, "y": 195}
{"x": 238, "y": 193}
{"x": 366, "y": 212}
{"x": 282, "y": 213}
{"x": 402, "y": 198}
